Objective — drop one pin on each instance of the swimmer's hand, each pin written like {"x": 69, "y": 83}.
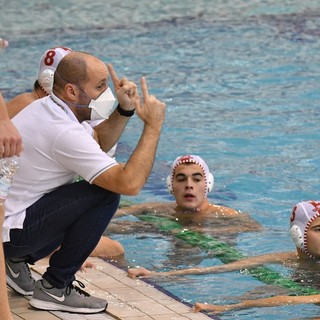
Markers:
{"x": 138, "y": 272}
{"x": 87, "y": 265}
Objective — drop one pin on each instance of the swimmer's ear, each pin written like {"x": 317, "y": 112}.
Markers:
{"x": 210, "y": 182}
{"x": 169, "y": 184}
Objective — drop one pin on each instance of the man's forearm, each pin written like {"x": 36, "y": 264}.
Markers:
{"x": 109, "y": 131}
{"x": 3, "y": 109}
{"x": 142, "y": 158}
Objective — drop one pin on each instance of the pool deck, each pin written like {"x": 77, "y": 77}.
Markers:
{"x": 127, "y": 298}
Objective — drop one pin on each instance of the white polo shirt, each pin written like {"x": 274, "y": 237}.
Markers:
{"x": 57, "y": 149}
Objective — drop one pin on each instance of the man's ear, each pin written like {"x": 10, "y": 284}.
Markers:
{"x": 71, "y": 91}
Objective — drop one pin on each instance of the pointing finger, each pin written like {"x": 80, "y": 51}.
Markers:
{"x": 144, "y": 89}
{"x": 114, "y": 77}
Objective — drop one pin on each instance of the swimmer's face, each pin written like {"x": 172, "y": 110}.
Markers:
{"x": 313, "y": 238}
{"x": 189, "y": 186}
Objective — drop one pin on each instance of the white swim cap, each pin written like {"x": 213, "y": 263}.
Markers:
{"x": 48, "y": 65}
{"x": 301, "y": 217}
{"x": 209, "y": 179}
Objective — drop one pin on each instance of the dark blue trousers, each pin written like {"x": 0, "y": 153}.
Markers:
{"x": 73, "y": 217}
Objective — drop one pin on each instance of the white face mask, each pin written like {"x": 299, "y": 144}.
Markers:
{"x": 102, "y": 107}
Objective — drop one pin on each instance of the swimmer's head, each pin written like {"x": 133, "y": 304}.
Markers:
{"x": 191, "y": 159}
{"x": 301, "y": 218}
{"x": 48, "y": 65}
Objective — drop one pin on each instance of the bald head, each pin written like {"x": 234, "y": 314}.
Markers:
{"x": 73, "y": 68}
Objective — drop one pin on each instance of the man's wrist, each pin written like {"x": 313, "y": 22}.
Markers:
{"x": 125, "y": 113}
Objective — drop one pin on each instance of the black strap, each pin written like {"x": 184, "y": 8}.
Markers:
{"x": 125, "y": 113}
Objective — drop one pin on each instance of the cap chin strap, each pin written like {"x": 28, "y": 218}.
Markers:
{"x": 191, "y": 211}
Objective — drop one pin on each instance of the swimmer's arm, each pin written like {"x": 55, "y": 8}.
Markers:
{"x": 247, "y": 263}
{"x": 137, "y": 209}
{"x": 263, "y": 302}
{"x": 107, "y": 248}
{"x": 133, "y": 209}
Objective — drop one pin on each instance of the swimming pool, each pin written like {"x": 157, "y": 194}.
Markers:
{"x": 240, "y": 79}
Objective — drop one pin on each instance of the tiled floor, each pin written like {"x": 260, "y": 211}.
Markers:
{"x": 128, "y": 299}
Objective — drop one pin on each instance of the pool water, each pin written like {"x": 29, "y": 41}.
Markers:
{"x": 240, "y": 80}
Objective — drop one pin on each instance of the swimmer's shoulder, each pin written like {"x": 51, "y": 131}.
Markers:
{"x": 222, "y": 210}
{"x": 19, "y": 102}
{"x": 244, "y": 220}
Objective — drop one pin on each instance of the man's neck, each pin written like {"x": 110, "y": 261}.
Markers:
{"x": 203, "y": 208}
{"x": 40, "y": 93}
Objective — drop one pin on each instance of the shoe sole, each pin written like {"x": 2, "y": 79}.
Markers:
{"x": 16, "y": 288}
{"x": 44, "y": 305}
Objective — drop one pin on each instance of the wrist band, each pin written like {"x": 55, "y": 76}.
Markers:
{"x": 125, "y": 113}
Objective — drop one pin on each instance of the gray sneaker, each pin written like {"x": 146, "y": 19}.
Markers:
{"x": 19, "y": 277}
{"x": 71, "y": 299}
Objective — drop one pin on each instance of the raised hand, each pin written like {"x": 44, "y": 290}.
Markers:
{"x": 150, "y": 110}
{"x": 125, "y": 90}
